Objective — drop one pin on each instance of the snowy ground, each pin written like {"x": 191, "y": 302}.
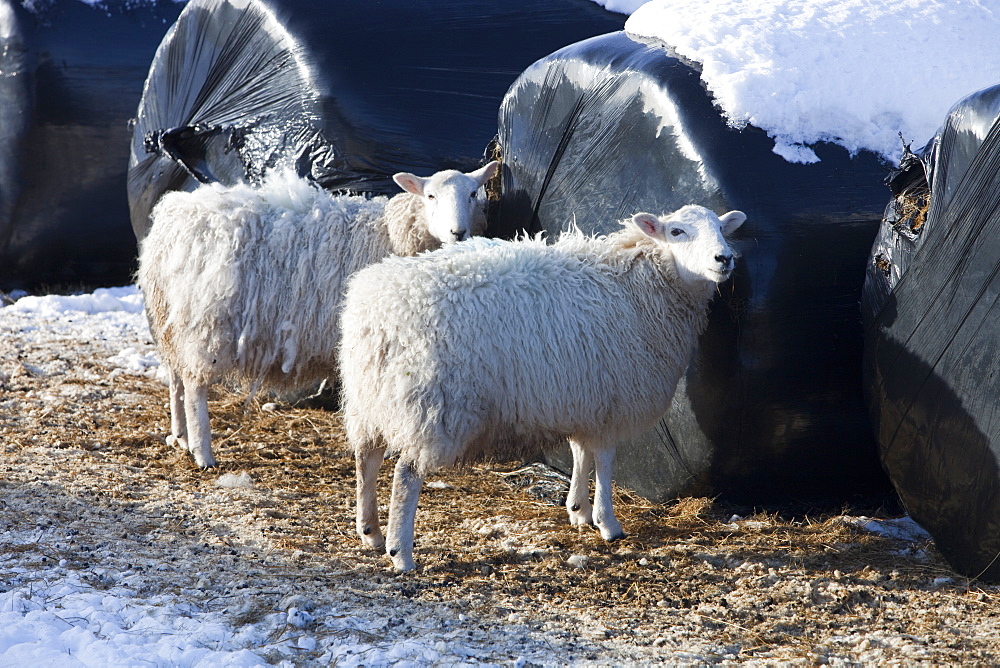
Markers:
{"x": 115, "y": 550}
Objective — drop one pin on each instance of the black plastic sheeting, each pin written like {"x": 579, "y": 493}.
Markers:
{"x": 932, "y": 336}
{"x": 71, "y": 76}
{"x": 346, "y": 92}
{"x": 771, "y": 409}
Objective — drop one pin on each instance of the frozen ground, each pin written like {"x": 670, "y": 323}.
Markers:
{"x": 115, "y": 550}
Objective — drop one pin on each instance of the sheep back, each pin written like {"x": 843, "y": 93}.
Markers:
{"x": 497, "y": 348}
{"x": 249, "y": 280}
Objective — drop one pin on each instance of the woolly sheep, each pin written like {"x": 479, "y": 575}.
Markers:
{"x": 245, "y": 283}
{"x": 496, "y": 349}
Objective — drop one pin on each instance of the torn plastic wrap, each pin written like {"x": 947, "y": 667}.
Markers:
{"x": 70, "y": 78}
{"x": 346, "y": 93}
{"x": 932, "y": 336}
{"x": 771, "y": 408}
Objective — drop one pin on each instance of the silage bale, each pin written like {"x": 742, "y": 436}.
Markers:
{"x": 932, "y": 335}
{"x": 771, "y": 409}
{"x": 71, "y": 76}
{"x": 346, "y": 93}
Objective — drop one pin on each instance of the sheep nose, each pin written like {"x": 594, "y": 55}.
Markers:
{"x": 724, "y": 259}
{"x": 458, "y": 234}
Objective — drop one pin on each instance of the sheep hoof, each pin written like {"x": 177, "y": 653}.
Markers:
{"x": 177, "y": 442}
{"x": 581, "y": 517}
{"x": 401, "y": 562}
{"x": 610, "y": 533}
{"x": 372, "y": 538}
{"x": 205, "y": 462}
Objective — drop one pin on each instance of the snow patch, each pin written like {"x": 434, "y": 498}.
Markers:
{"x": 241, "y": 480}
{"x": 902, "y": 528}
{"x": 621, "y": 6}
{"x": 103, "y": 300}
{"x": 135, "y": 361}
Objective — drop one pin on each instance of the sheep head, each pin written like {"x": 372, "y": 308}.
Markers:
{"x": 450, "y": 200}
{"x": 696, "y": 238}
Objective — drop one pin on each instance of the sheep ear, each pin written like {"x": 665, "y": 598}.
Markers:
{"x": 649, "y": 224}
{"x": 411, "y": 183}
{"x": 485, "y": 173}
{"x": 731, "y": 221}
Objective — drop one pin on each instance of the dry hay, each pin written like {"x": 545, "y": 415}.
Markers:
{"x": 494, "y": 187}
{"x": 883, "y": 264}
{"x": 493, "y": 539}
{"x": 910, "y": 207}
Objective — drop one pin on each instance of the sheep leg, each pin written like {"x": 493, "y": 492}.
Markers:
{"x": 199, "y": 431}
{"x": 604, "y": 514}
{"x": 578, "y": 500}
{"x": 406, "y": 484}
{"x": 178, "y": 422}
{"x": 367, "y": 464}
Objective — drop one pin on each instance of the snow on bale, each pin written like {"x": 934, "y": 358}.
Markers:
{"x": 931, "y": 319}
{"x": 346, "y": 92}
{"x": 71, "y": 76}
{"x": 771, "y": 407}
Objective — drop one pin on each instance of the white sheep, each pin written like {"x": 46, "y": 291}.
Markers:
{"x": 495, "y": 349}
{"x": 245, "y": 283}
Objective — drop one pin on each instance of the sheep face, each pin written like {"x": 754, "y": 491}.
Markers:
{"x": 450, "y": 200}
{"x": 696, "y": 238}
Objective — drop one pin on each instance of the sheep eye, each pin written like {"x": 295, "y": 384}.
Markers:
{"x": 430, "y": 197}
{"x": 473, "y": 195}
{"x": 676, "y": 232}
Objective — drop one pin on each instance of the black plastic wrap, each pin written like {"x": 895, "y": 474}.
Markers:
{"x": 771, "y": 409}
{"x": 15, "y": 114}
{"x": 347, "y": 92}
{"x": 932, "y": 336}
{"x": 70, "y": 78}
